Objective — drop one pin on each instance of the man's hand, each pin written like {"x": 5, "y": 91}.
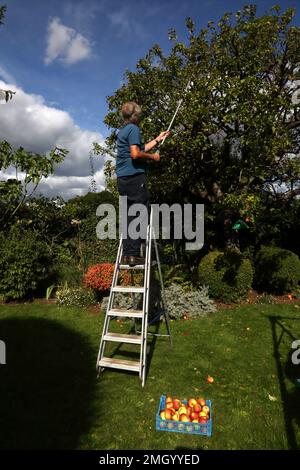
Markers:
{"x": 156, "y": 157}
{"x": 163, "y": 135}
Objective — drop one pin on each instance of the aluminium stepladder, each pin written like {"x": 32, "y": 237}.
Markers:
{"x": 140, "y": 339}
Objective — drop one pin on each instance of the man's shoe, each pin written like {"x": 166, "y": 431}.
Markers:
{"x": 133, "y": 260}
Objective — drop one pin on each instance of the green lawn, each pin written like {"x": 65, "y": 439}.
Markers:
{"x": 51, "y": 398}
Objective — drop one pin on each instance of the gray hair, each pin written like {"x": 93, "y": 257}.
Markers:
{"x": 131, "y": 112}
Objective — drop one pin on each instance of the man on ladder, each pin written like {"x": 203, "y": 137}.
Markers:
{"x": 130, "y": 169}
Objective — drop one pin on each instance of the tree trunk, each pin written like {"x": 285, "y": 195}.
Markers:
{"x": 231, "y": 237}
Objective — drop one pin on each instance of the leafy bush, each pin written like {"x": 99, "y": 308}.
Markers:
{"x": 265, "y": 299}
{"x": 75, "y": 296}
{"x": 124, "y": 301}
{"x": 276, "y": 270}
{"x": 99, "y": 277}
{"x": 228, "y": 275}
{"x": 193, "y": 303}
{"x": 24, "y": 264}
{"x": 67, "y": 273}
{"x": 177, "y": 274}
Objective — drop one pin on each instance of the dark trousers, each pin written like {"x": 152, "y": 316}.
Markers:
{"x": 135, "y": 188}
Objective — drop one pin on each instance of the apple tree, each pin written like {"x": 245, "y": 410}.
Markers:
{"x": 236, "y": 137}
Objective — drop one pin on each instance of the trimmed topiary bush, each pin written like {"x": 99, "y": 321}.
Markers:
{"x": 193, "y": 303}
{"x": 228, "y": 275}
{"x": 24, "y": 264}
{"x": 276, "y": 270}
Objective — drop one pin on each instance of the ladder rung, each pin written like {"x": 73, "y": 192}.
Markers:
{"x": 119, "y": 364}
{"x": 127, "y": 289}
{"x": 122, "y": 312}
{"x": 121, "y": 338}
{"x": 136, "y": 266}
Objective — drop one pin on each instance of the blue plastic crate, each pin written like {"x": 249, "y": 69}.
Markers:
{"x": 204, "y": 429}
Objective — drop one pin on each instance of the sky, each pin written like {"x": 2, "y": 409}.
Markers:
{"x": 64, "y": 57}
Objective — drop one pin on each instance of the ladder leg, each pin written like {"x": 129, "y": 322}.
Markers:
{"x": 146, "y": 303}
{"x": 165, "y": 310}
{"x": 109, "y": 306}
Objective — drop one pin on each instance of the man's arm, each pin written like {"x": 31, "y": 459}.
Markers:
{"x": 135, "y": 152}
{"x": 156, "y": 141}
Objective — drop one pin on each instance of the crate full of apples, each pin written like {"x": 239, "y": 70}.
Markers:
{"x": 192, "y": 416}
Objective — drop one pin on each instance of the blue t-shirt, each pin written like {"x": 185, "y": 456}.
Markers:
{"x": 129, "y": 134}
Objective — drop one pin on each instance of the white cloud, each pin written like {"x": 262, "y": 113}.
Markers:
{"x": 28, "y": 122}
{"x": 7, "y": 77}
{"x": 126, "y": 24}
{"x": 65, "y": 44}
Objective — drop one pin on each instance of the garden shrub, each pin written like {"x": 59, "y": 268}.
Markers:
{"x": 193, "y": 303}
{"x": 67, "y": 273}
{"x": 75, "y": 296}
{"x": 25, "y": 263}
{"x": 276, "y": 270}
{"x": 124, "y": 301}
{"x": 177, "y": 274}
{"x": 99, "y": 277}
{"x": 228, "y": 275}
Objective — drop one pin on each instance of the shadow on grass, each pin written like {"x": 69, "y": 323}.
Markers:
{"x": 287, "y": 372}
{"x": 47, "y": 385}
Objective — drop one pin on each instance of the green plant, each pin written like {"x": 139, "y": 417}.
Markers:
{"x": 177, "y": 274}
{"x": 75, "y": 296}
{"x": 228, "y": 275}
{"x": 25, "y": 263}
{"x": 49, "y": 291}
{"x": 276, "y": 270}
{"x": 123, "y": 301}
{"x": 265, "y": 299}
{"x": 193, "y": 304}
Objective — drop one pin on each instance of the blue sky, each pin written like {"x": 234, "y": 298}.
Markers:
{"x": 73, "y": 54}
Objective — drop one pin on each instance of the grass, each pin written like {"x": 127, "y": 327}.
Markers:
{"x": 51, "y": 398}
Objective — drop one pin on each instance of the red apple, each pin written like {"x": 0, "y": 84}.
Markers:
{"x": 210, "y": 379}
{"x": 206, "y": 409}
{"x": 168, "y": 414}
{"x": 201, "y": 401}
{"x": 183, "y": 417}
{"x": 202, "y": 414}
{"x": 194, "y": 415}
{"x": 192, "y": 402}
{"x": 202, "y": 420}
{"x": 176, "y": 404}
{"x": 175, "y": 416}
{"x": 197, "y": 408}
{"x": 168, "y": 399}
{"x": 169, "y": 405}
{"x": 189, "y": 410}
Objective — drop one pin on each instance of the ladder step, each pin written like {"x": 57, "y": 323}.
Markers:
{"x": 121, "y": 338}
{"x": 119, "y": 364}
{"x": 127, "y": 289}
{"x": 122, "y": 312}
{"x": 136, "y": 266}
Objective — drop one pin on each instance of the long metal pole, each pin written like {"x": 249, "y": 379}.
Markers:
{"x": 177, "y": 109}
